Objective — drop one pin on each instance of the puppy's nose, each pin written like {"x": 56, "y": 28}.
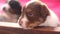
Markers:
{"x": 20, "y": 23}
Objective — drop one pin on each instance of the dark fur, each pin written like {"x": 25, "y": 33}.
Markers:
{"x": 16, "y": 7}
{"x": 38, "y": 10}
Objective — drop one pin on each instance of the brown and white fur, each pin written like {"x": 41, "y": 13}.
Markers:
{"x": 12, "y": 11}
{"x": 36, "y": 13}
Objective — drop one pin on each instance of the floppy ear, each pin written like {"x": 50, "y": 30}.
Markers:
{"x": 44, "y": 11}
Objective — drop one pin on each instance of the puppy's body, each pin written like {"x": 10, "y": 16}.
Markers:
{"x": 12, "y": 11}
{"x": 35, "y": 14}
{"x": 8, "y": 18}
{"x": 51, "y": 20}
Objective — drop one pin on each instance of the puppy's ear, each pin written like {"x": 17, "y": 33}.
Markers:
{"x": 44, "y": 11}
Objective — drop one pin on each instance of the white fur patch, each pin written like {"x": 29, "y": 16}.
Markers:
{"x": 34, "y": 1}
{"x": 5, "y": 5}
{"x": 24, "y": 20}
{"x": 28, "y": 3}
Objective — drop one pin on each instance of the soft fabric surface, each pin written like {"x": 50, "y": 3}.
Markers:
{"x": 52, "y": 4}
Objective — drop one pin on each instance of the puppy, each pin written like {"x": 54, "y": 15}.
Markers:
{"x": 12, "y": 11}
{"x": 36, "y": 13}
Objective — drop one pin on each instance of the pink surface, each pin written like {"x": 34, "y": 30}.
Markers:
{"x": 52, "y": 4}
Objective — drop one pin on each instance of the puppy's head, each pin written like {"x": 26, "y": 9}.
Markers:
{"x": 34, "y": 14}
{"x": 13, "y": 7}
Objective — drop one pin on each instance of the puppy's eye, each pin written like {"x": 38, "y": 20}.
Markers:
{"x": 30, "y": 14}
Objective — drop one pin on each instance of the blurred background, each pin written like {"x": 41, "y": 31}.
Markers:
{"x": 52, "y": 4}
